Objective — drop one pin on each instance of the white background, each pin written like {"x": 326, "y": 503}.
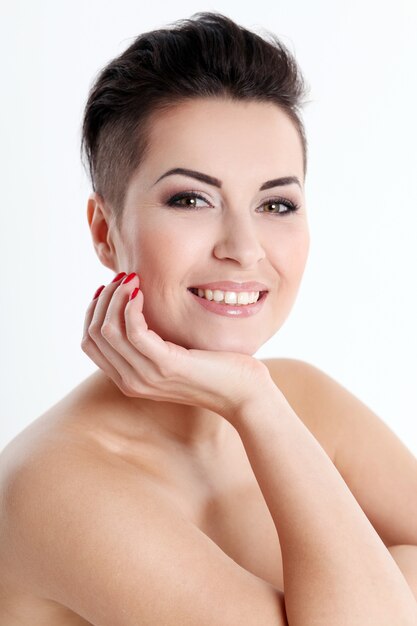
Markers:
{"x": 356, "y": 312}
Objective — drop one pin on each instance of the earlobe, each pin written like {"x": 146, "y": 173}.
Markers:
{"x": 98, "y": 222}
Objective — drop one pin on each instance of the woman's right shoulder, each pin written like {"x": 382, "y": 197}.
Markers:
{"x": 75, "y": 424}
{"x": 51, "y": 454}
{"x": 77, "y": 429}
{"x": 54, "y": 466}
{"x": 82, "y": 530}
{"x": 43, "y": 434}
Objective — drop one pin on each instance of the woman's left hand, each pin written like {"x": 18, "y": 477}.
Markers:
{"x": 117, "y": 338}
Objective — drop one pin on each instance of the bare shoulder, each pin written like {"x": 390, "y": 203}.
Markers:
{"x": 96, "y": 535}
{"x": 378, "y": 467}
{"x": 314, "y": 395}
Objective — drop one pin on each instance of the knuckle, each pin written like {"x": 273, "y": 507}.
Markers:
{"x": 128, "y": 392}
{"x": 154, "y": 378}
{"x": 129, "y": 388}
{"x": 94, "y": 330}
{"x": 134, "y": 336}
{"x": 85, "y": 342}
{"x": 164, "y": 370}
{"x": 108, "y": 330}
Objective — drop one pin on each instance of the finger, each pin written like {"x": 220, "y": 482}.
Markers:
{"x": 90, "y": 348}
{"x": 114, "y": 317}
{"x": 114, "y": 328}
{"x": 94, "y": 331}
{"x": 126, "y": 330}
{"x": 143, "y": 340}
{"x": 90, "y": 311}
{"x": 95, "y": 355}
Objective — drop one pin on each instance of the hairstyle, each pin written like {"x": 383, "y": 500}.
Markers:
{"x": 208, "y": 55}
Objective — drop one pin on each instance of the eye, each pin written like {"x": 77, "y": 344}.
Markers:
{"x": 188, "y": 200}
{"x": 280, "y": 206}
{"x": 190, "y": 196}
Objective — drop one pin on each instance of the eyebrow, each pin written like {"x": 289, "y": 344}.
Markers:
{"x": 211, "y": 180}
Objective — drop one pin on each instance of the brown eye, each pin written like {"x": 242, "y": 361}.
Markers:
{"x": 273, "y": 206}
{"x": 190, "y": 199}
{"x": 279, "y": 206}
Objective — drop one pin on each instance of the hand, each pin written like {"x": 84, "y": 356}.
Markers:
{"x": 117, "y": 338}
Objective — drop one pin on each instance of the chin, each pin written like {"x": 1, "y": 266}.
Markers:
{"x": 237, "y": 344}
{"x": 204, "y": 338}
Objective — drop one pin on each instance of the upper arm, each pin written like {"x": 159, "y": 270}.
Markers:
{"x": 109, "y": 546}
{"x": 380, "y": 471}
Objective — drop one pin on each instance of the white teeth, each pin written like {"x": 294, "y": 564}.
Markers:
{"x": 229, "y": 297}
{"x": 218, "y": 295}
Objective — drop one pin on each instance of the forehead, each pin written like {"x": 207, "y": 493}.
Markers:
{"x": 220, "y": 135}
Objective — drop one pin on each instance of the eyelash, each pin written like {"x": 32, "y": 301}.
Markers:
{"x": 291, "y": 206}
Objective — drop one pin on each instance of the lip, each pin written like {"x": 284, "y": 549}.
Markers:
{"x": 229, "y": 285}
{"x": 228, "y": 310}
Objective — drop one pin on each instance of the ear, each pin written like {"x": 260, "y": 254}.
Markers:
{"x": 99, "y": 219}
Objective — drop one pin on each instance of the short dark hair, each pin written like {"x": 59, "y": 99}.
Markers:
{"x": 208, "y": 55}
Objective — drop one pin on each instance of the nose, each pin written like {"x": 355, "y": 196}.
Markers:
{"x": 239, "y": 240}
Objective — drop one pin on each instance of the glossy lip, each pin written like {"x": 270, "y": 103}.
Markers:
{"x": 228, "y": 310}
{"x": 228, "y": 285}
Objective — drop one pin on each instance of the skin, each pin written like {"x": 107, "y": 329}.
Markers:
{"x": 230, "y": 237}
{"x": 161, "y": 346}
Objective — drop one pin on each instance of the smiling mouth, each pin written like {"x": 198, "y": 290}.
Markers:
{"x": 234, "y": 298}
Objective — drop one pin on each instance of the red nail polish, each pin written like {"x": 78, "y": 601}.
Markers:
{"x": 118, "y": 277}
{"x": 134, "y": 293}
{"x": 98, "y": 292}
{"x": 128, "y": 278}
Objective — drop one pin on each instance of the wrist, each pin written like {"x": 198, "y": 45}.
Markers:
{"x": 266, "y": 402}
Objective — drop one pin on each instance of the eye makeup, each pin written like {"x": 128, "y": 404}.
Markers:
{"x": 191, "y": 195}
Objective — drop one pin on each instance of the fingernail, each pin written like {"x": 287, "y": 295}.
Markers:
{"x": 98, "y": 292}
{"x": 134, "y": 293}
{"x": 118, "y": 277}
{"x": 128, "y": 278}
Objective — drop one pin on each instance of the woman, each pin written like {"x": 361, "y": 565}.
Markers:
{"x": 185, "y": 481}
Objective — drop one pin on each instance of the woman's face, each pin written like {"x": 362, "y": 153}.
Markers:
{"x": 232, "y": 231}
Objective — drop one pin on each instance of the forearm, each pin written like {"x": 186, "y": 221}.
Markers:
{"x": 337, "y": 570}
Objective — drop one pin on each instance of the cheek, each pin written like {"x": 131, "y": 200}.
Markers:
{"x": 163, "y": 254}
{"x": 301, "y": 250}
{"x": 288, "y": 253}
